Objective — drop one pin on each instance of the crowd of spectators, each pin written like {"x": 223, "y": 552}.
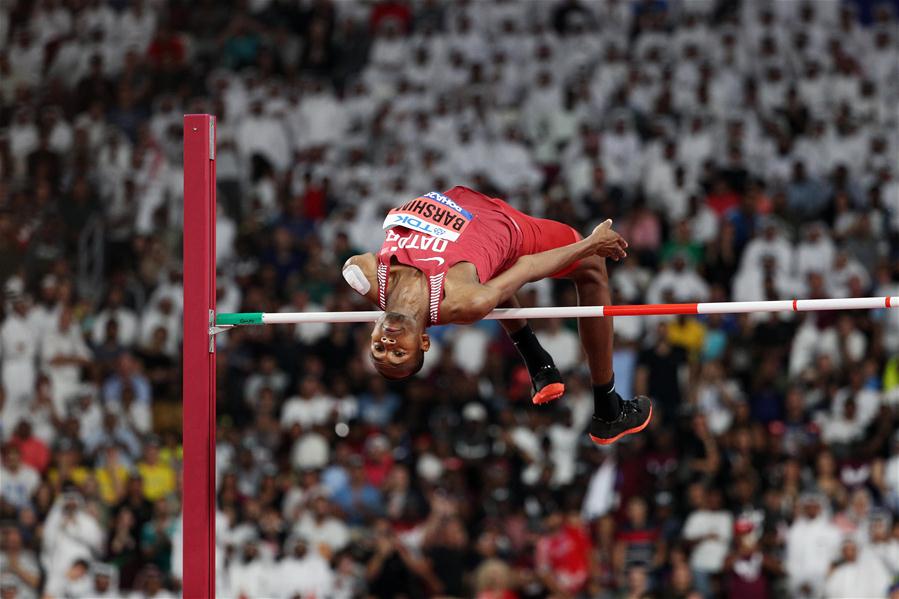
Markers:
{"x": 746, "y": 150}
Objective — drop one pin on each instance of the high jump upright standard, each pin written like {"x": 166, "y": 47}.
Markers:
{"x": 198, "y": 399}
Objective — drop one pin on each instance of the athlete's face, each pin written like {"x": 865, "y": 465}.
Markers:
{"x": 397, "y": 345}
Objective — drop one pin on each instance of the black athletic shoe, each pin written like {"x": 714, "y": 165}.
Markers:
{"x": 633, "y": 418}
{"x": 547, "y": 384}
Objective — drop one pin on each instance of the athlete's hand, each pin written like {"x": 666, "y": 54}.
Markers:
{"x": 606, "y": 242}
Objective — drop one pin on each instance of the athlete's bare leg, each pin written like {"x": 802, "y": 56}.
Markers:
{"x": 592, "y": 282}
{"x": 513, "y": 325}
{"x": 613, "y": 417}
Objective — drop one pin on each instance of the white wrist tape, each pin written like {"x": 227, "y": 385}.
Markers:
{"x": 352, "y": 274}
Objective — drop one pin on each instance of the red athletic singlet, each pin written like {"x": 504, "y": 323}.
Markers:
{"x": 437, "y": 231}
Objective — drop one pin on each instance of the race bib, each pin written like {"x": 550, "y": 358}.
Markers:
{"x": 433, "y": 214}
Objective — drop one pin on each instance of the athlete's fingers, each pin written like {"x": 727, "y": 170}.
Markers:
{"x": 604, "y": 225}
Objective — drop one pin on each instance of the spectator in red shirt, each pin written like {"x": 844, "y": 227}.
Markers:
{"x": 722, "y": 198}
{"x": 378, "y": 460}
{"x": 34, "y": 452}
{"x": 563, "y": 554}
{"x": 167, "y": 51}
{"x": 314, "y": 198}
{"x": 391, "y": 10}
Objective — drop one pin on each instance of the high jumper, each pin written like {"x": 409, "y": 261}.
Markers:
{"x": 453, "y": 257}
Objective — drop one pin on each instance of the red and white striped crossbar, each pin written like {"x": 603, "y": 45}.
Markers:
{"x": 796, "y": 305}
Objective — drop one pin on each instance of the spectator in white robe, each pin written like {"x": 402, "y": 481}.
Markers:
{"x": 812, "y": 544}
{"x": 70, "y": 533}
{"x": 470, "y": 346}
{"x": 136, "y": 26}
{"x": 249, "y": 573}
{"x": 882, "y": 542}
{"x": 815, "y": 253}
{"x": 322, "y": 530}
{"x": 125, "y": 317}
{"x": 859, "y": 573}
{"x": 602, "y": 496}
{"x": 681, "y": 282}
{"x": 302, "y": 572}
{"x": 310, "y": 407}
{"x": 18, "y": 349}
{"x": 63, "y": 355}
{"x": 19, "y": 567}
{"x": 769, "y": 243}
{"x": 105, "y": 582}
{"x": 562, "y": 343}
{"x": 260, "y": 134}
{"x": 512, "y": 165}
{"x": 710, "y": 528}
{"x": 162, "y": 314}
{"x": 18, "y": 481}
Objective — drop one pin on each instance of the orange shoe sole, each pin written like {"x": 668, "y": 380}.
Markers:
{"x": 549, "y": 393}
{"x": 629, "y": 431}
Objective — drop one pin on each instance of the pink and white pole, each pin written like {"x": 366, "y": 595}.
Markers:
{"x": 198, "y": 399}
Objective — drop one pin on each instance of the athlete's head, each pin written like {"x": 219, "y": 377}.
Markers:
{"x": 398, "y": 345}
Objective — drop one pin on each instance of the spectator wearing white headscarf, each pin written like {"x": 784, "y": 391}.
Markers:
{"x": 859, "y": 574}
{"x": 71, "y": 533}
{"x": 812, "y": 544}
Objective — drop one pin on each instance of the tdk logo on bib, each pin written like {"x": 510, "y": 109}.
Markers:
{"x": 433, "y": 214}
{"x": 401, "y": 219}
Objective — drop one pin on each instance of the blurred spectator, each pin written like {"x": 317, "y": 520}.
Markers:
{"x": 855, "y": 574}
{"x": 18, "y": 481}
{"x": 562, "y": 555}
{"x": 158, "y": 476}
{"x": 72, "y": 537}
{"x": 64, "y": 353}
{"x": 359, "y": 500}
{"x": 749, "y": 569}
{"x": 302, "y": 571}
{"x": 328, "y": 535}
{"x": 18, "y": 563}
{"x": 19, "y": 346}
{"x": 812, "y": 544}
{"x": 115, "y": 311}
{"x": 33, "y": 450}
{"x": 708, "y": 530}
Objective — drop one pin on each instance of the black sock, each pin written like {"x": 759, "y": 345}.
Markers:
{"x": 606, "y": 401}
{"x": 535, "y": 357}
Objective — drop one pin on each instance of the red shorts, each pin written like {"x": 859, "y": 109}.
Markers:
{"x": 541, "y": 235}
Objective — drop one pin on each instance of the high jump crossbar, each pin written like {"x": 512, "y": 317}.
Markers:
{"x": 796, "y": 305}
{"x": 201, "y": 324}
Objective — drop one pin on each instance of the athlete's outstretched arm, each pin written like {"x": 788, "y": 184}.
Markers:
{"x": 483, "y": 298}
